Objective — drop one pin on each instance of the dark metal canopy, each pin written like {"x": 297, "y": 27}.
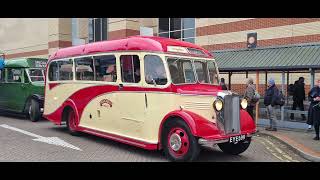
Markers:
{"x": 277, "y": 58}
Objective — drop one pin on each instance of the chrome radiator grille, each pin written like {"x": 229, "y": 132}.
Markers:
{"x": 231, "y": 114}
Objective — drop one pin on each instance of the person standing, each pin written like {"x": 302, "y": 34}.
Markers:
{"x": 223, "y": 84}
{"x": 314, "y": 109}
{"x": 270, "y": 99}
{"x": 299, "y": 96}
{"x": 249, "y": 96}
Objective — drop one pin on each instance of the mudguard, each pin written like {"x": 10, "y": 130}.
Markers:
{"x": 201, "y": 127}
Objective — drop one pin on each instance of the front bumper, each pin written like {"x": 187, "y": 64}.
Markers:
{"x": 212, "y": 142}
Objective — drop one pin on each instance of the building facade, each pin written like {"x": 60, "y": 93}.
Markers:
{"x": 40, "y": 37}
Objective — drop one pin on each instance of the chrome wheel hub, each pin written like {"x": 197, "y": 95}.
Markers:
{"x": 175, "y": 142}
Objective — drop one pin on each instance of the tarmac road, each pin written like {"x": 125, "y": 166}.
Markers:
{"x": 17, "y": 144}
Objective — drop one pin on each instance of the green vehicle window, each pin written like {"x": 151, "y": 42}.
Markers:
{"x": 2, "y": 75}
{"x": 14, "y": 75}
{"x": 26, "y": 79}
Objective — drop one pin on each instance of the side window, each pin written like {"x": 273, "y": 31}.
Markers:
{"x": 202, "y": 71}
{"x": 213, "y": 74}
{"x": 154, "y": 70}
{"x": 53, "y": 73}
{"x": 84, "y": 69}
{"x": 105, "y": 68}
{"x": 26, "y": 79}
{"x": 15, "y": 75}
{"x": 61, "y": 70}
{"x": 130, "y": 68}
{"x": 2, "y": 75}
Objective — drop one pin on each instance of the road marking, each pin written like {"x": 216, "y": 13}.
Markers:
{"x": 278, "y": 153}
{"x": 49, "y": 140}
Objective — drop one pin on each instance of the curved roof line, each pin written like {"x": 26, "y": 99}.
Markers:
{"x": 138, "y": 43}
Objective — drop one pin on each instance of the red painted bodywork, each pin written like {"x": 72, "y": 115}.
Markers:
{"x": 134, "y": 43}
{"x": 199, "y": 126}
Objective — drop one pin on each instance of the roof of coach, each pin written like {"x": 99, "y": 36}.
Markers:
{"x": 133, "y": 43}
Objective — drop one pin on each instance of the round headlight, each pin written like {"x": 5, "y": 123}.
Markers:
{"x": 218, "y": 105}
{"x": 244, "y": 103}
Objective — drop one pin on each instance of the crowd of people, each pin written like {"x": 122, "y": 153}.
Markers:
{"x": 273, "y": 98}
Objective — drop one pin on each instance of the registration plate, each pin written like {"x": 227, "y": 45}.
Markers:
{"x": 236, "y": 139}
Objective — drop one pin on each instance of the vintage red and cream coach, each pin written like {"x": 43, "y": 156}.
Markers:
{"x": 150, "y": 92}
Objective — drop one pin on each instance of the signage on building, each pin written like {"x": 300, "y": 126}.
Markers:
{"x": 252, "y": 40}
{"x": 146, "y": 31}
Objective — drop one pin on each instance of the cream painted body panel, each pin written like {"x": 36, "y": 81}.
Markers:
{"x": 55, "y": 97}
{"x": 131, "y": 118}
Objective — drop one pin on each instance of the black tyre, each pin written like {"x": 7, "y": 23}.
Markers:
{"x": 71, "y": 122}
{"x": 178, "y": 142}
{"x": 235, "y": 149}
{"x": 34, "y": 111}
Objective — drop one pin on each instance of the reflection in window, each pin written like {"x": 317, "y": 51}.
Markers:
{"x": 154, "y": 70}
{"x": 181, "y": 71}
{"x": 130, "y": 68}
{"x": 202, "y": 72}
{"x": 36, "y": 74}
{"x": 213, "y": 74}
{"x": 15, "y": 75}
{"x": 61, "y": 70}
{"x": 105, "y": 68}
{"x": 84, "y": 69}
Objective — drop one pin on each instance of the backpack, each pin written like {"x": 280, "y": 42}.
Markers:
{"x": 280, "y": 99}
{"x": 291, "y": 89}
{"x": 256, "y": 97}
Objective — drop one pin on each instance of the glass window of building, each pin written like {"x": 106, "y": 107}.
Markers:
{"x": 177, "y": 28}
{"x": 98, "y": 29}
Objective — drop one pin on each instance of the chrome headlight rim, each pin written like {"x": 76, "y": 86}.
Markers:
{"x": 216, "y": 106}
{"x": 244, "y": 103}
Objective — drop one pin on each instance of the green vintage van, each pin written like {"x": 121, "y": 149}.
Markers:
{"x": 22, "y": 86}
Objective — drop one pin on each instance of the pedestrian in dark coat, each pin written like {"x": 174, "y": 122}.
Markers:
{"x": 270, "y": 99}
{"x": 299, "y": 96}
{"x": 223, "y": 84}
{"x": 314, "y": 109}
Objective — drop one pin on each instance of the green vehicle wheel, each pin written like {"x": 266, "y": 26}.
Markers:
{"x": 34, "y": 111}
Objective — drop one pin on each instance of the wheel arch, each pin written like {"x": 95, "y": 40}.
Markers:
{"x": 184, "y": 116}
{"x": 37, "y": 97}
{"x": 67, "y": 106}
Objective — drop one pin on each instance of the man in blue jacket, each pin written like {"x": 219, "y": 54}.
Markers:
{"x": 270, "y": 99}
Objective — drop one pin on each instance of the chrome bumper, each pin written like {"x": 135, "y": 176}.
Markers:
{"x": 212, "y": 142}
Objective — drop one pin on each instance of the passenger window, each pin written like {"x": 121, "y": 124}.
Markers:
{"x": 130, "y": 68}
{"x": 105, "y": 68}
{"x": 202, "y": 71}
{"x": 61, "y": 70}
{"x": 154, "y": 70}
{"x": 84, "y": 69}
{"x": 15, "y": 75}
{"x": 26, "y": 79}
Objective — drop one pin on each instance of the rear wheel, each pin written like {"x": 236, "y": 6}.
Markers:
{"x": 34, "y": 111}
{"x": 178, "y": 142}
{"x": 71, "y": 122}
{"x": 235, "y": 149}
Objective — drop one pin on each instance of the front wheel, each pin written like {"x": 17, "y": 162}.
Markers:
{"x": 178, "y": 142}
{"x": 34, "y": 111}
{"x": 235, "y": 149}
